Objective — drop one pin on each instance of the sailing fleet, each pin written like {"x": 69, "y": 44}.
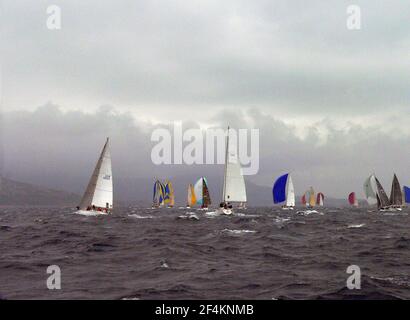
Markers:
{"x": 98, "y": 196}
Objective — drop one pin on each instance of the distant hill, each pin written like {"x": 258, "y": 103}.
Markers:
{"x": 19, "y": 193}
{"x": 134, "y": 191}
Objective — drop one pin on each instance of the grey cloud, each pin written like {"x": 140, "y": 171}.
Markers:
{"x": 164, "y": 58}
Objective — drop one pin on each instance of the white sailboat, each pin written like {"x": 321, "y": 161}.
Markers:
{"x": 234, "y": 190}
{"x": 98, "y": 196}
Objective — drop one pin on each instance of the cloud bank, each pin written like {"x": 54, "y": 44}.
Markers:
{"x": 59, "y": 149}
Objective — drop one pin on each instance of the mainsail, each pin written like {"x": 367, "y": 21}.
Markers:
{"x": 290, "y": 193}
{"x": 382, "y": 199}
{"x": 406, "y": 192}
{"x": 320, "y": 199}
{"x": 234, "y": 184}
{"x": 370, "y": 188}
{"x": 283, "y": 190}
{"x": 158, "y": 196}
{"x": 396, "y": 196}
{"x": 99, "y": 192}
{"x": 191, "y": 199}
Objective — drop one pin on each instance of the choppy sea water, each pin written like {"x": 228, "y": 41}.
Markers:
{"x": 258, "y": 253}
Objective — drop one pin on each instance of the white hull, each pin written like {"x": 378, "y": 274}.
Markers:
{"x": 391, "y": 209}
{"x": 307, "y": 212}
{"x": 288, "y": 208}
{"x": 224, "y": 211}
{"x": 91, "y": 213}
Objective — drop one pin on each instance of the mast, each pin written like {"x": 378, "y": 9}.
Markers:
{"x": 203, "y": 192}
{"x": 226, "y": 164}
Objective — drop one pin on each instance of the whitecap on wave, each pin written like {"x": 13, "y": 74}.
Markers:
{"x": 352, "y": 226}
{"x": 189, "y": 216}
{"x": 308, "y": 212}
{"x": 137, "y": 216}
{"x": 230, "y": 231}
{"x": 240, "y": 214}
{"x": 211, "y": 214}
{"x": 281, "y": 219}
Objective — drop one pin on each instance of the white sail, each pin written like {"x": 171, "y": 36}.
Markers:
{"x": 370, "y": 188}
{"x": 99, "y": 192}
{"x": 320, "y": 202}
{"x": 290, "y": 192}
{"x": 234, "y": 183}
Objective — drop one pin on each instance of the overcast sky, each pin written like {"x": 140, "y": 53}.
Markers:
{"x": 331, "y": 103}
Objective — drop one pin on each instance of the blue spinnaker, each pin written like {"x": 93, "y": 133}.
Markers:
{"x": 279, "y": 189}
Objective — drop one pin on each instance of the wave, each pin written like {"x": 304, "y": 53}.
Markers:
{"x": 245, "y": 215}
{"x": 353, "y": 226}
{"x": 188, "y": 216}
{"x": 137, "y": 216}
{"x": 308, "y": 212}
{"x": 281, "y": 219}
{"x": 5, "y": 228}
{"x": 232, "y": 231}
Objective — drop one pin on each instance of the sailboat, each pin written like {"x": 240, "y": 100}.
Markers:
{"x": 169, "y": 198}
{"x": 320, "y": 199}
{"x": 158, "y": 196}
{"x": 308, "y": 200}
{"x": 311, "y": 197}
{"x": 283, "y": 191}
{"x": 353, "y": 200}
{"x": 396, "y": 196}
{"x": 201, "y": 192}
{"x": 375, "y": 193}
{"x": 234, "y": 190}
{"x": 98, "y": 196}
{"x": 191, "y": 198}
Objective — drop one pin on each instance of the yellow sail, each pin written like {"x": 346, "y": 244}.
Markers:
{"x": 312, "y": 199}
{"x": 169, "y": 198}
{"x": 191, "y": 200}
{"x": 171, "y": 202}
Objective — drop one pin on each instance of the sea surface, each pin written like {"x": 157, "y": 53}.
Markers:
{"x": 258, "y": 253}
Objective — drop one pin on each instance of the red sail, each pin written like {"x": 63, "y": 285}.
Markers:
{"x": 352, "y": 198}
{"x": 304, "y": 199}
